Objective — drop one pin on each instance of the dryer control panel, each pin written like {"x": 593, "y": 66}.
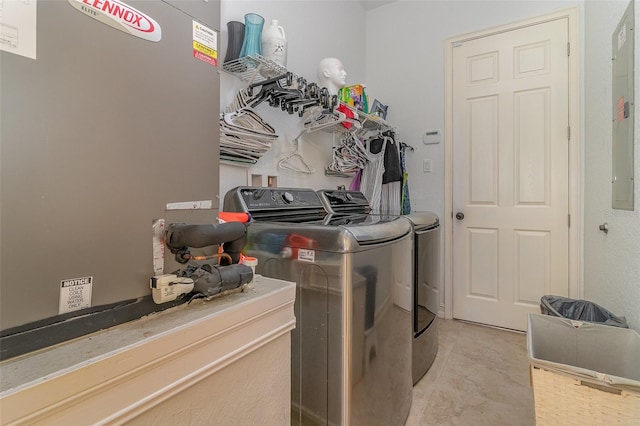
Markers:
{"x": 338, "y": 201}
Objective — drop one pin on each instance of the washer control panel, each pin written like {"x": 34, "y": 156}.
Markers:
{"x": 259, "y": 199}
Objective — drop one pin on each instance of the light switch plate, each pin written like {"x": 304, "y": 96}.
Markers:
{"x": 427, "y": 165}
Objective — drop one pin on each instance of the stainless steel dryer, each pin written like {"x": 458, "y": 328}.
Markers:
{"x": 426, "y": 300}
{"x": 351, "y": 349}
{"x": 426, "y": 274}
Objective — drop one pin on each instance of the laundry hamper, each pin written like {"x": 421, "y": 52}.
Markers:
{"x": 583, "y": 373}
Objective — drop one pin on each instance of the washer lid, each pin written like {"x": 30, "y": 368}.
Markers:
{"x": 423, "y": 219}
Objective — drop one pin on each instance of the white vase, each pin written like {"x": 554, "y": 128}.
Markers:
{"x": 274, "y": 43}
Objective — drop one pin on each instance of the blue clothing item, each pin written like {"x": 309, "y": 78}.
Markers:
{"x": 405, "y": 199}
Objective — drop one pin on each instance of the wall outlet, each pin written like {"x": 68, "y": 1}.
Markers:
{"x": 256, "y": 180}
{"x": 260, "y": 178}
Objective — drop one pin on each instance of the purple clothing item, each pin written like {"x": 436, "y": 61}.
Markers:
{"x": 355, "y": 182}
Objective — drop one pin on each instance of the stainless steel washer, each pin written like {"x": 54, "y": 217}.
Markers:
{"x": 426, "y": 274}
{"x": 351, "y": 349}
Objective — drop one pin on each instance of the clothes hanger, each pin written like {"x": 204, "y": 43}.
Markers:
{"x": 244, "y": 135}
{"x": 319, "y": 118}
{"x": 405, "y": 145}
{"x": 269, "y": 87}
{"x": 352, "y": 122}
{"x": 348, "y": 157}
{"x": 298, "y": 105}
{"x": 248, "y": 119}
{"x": 288, "y": 77}
{"x": 294, "y": 161}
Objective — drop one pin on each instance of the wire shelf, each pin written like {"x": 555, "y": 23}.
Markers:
{"x": 253, "y": 69}
{"x": 256, "y": 68}
{"x": 372, "y": 121}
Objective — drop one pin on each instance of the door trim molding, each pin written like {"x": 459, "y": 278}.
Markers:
{"x": 575, "y": 149}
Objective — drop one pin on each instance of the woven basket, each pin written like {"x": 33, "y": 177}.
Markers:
{"x": 564, "y": 401}
{"x": 583, "y": 373}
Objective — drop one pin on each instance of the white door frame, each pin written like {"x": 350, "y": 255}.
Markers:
{"x": 575, "y": 150}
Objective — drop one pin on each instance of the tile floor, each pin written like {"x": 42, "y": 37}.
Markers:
{"x": 479, "y": 377}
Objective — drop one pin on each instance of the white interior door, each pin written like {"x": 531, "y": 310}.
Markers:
{"x": 510, "y": 173}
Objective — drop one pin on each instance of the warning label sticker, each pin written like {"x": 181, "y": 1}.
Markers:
{"x": 205, "y": 44}
{"x": 75, "y": 294}
{"x": 306, "y": 255}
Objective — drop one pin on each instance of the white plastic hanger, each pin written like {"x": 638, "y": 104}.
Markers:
{"x": 348, "y": 157}
{"x": 319, "y": 118}
{"x": 244, "y": 135}
{"x": 294, "y": 161}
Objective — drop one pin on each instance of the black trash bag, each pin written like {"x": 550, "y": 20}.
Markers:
{"x": 580, "y": 310}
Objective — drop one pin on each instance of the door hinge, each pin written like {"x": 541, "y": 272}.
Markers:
{"x": 568, "y": 48}
{"x": 569, "y": 220}
{"x": 569, "y": 132}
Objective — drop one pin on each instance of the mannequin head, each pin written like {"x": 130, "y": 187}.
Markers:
{"x": 331, "y": 74}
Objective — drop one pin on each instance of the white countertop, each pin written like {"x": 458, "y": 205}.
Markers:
{"x": 39, "y": 366}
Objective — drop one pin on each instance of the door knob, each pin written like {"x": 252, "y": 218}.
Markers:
{"x": 459, "y": 215}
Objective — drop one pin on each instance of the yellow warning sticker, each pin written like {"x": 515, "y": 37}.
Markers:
{"x": 198, "y": 47}
{"x": 205, "y": 44}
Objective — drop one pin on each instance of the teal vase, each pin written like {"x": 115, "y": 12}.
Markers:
{"x": 252, "y": 44}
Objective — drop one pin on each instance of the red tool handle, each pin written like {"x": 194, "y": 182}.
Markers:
{"x": 234, "y": 217}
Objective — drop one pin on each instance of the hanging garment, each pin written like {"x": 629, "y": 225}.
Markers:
{"x": 371, "y": 182}
{"x": 390, "y": 200}
{"x": 392, "y": 168}
{"x": 405, "y": 199}
{"x": 355, "y": 182}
